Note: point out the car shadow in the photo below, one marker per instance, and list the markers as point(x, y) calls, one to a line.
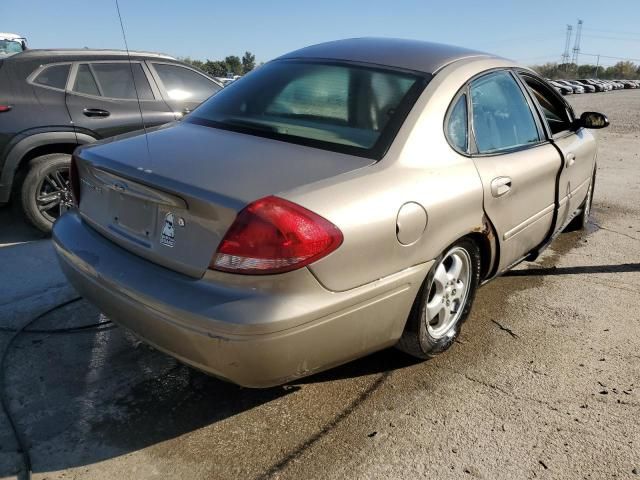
point(529, 272)
point(93, 396)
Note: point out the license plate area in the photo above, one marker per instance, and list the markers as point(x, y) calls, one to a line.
point(133, 215)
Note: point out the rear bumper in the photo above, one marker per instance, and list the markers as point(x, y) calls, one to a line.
point(254, 331)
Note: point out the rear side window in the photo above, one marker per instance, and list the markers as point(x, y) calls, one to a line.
point(184, 84)
point(502, 118)
point(457, 125)
point(54, 76)
point(113, 80)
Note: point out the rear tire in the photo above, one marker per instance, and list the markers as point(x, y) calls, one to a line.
point(45, 189)
point(581, 220)
point(443, 302)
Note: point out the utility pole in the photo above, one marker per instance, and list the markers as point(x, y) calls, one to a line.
point(567, 43)
point(597, 65)
point(576, 46)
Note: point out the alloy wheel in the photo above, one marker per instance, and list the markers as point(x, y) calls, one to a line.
point(54, 193)
point(448, 292)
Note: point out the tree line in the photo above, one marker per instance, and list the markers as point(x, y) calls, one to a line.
point(231, 65)
point(622, 70)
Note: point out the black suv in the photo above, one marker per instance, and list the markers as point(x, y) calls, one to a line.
point(51, 101)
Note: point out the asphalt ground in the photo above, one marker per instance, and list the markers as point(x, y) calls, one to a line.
point(544, 381)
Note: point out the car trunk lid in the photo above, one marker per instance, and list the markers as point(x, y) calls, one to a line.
point(171, 197)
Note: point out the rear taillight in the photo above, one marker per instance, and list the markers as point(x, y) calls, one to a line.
point(273, 235)
point(74, 181)
point(5, 108)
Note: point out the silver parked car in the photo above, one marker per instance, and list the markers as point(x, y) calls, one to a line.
point(341, 199)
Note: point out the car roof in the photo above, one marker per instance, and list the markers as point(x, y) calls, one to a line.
point(427, 57)
point(80, 53)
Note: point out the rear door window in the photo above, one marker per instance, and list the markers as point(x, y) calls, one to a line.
point(183, 83)
point(54, 76)
point(113, 80)
point(502, 118)
point(85, 82)
point(116, 80)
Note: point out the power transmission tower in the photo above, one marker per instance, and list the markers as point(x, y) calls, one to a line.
point(576, 46)
point(565, 55)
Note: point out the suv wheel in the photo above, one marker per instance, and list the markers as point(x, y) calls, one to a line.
point(45, 190)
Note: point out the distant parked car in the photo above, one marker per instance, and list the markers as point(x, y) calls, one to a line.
point(576, 88)
point(44, 93)
point(11, 43)
point(587, 88)
point(560, 88)
point(598, 87)
point(606, 85)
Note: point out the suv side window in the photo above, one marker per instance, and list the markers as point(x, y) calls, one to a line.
point(457, 125)
point(113, 80)
point(185, 84)
point(54, 76)
point(85, 83)
point(502, 118)
point(558, 117)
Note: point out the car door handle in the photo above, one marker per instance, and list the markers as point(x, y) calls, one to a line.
point(95, 112)
point(570, 159)
point(500, 186)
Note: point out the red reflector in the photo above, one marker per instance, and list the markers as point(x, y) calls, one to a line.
point(74, 181)
point(5, 108)
point(273, 235)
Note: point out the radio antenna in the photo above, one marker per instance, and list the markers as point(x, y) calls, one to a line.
point(133, 79)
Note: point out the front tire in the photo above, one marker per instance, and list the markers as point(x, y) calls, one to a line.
point(443, 302)
point(46, 190)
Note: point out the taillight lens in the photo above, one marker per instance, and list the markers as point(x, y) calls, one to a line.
point(74, 181)
point(273, 235)
point(5, 108)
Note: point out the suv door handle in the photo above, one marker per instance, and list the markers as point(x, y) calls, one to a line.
point(500, 186)
point(570, 159)
point(95, 112)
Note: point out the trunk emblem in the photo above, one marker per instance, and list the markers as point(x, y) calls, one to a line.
point(168, 235)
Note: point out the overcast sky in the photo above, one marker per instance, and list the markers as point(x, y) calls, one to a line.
point(527, 31)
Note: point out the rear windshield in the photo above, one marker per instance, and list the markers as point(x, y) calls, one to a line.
point(335, 106)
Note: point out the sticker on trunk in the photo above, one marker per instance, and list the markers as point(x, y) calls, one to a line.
point(168, 234)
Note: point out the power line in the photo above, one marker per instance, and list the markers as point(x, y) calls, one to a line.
point(613, 38)
point(609, 56)
point(612, 31)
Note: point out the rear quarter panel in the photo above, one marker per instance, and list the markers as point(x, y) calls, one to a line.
point(420, 167)
point(33, 107)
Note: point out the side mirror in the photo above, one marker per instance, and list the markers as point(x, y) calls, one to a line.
point(593, 120)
